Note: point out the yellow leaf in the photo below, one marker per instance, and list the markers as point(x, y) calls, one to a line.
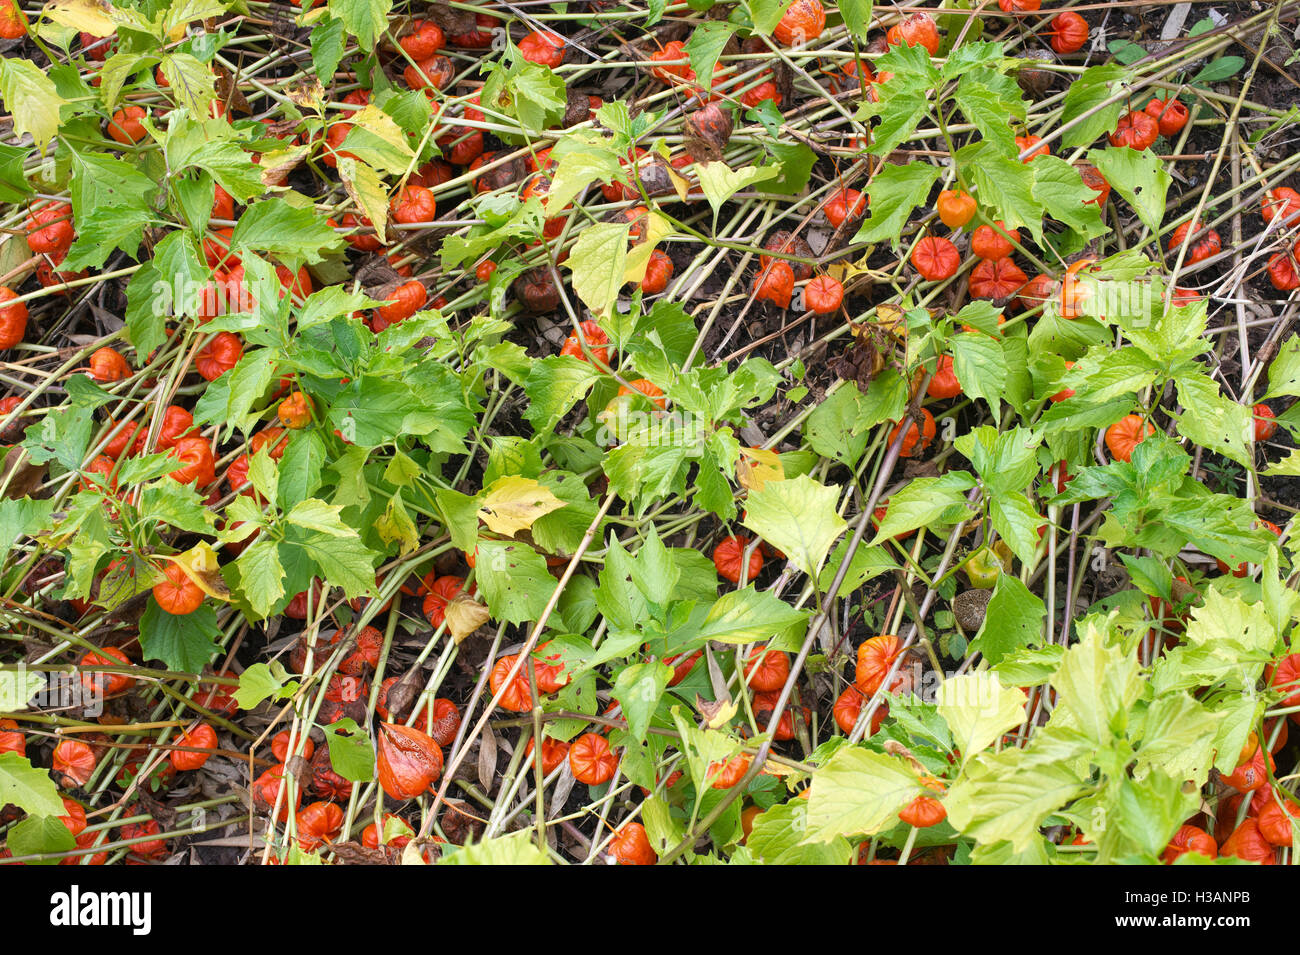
point(276, 165)
point(367, 191)
point(411, 854)
point(89, 16)
point(845, 271)
point(513, 503)
point(201, 565)
point(464, 616)
point(379, 124)
point(719, 715)
point(309, 97)
point(638, 257)
point(680, 183)
point(757, 466)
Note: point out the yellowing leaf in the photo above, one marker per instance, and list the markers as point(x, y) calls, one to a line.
point(978, 709)
point(757, 466)
point(720, 182)
point(638, 257)
point(512, 503)
point(191, 81)
point(597, 263)
point(378, 140)
point(465, 615)
point(309, 97)
point(278, 164)
point(859, 792)
point(31, 97)
point(89, 16)
point(797, 517)
point(367, 191)
point(201, 565)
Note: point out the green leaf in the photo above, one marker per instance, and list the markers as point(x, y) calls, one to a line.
point(555, 384)
point(17, 688)
point(894, 194)
point(295, 235)
point(1151, 809)
point(978, 709)
point(1006, 186)
point(179, 505)
point(396, 525)
point(1006, 796)
point(795, 162)
point(352, 755)
point(1178, 736)
point(765, 14)
point(1015, 519)
point(720, 182)
point(185, 643)
point(1139, 177)
point(1062, 193)
point(36, 835)
point(1084, 98)
point(1218, 70)
point(638, 690)
point(364, 19)
point(777, 838)
point(177, 258)
point(1284, 372)
point(597, 262)
point(1126, 51)
point(29, 95)
point(745, 616)
point(327, 45)
point(24, 517)
point(898, 121)
point(375, 138)
point(1013, 621)
point(13, 181)
point(316, 515)
point(857, 17)
point(110, 206)
point(926, 501)
point(989, 112)
point(1005, 460)
point(344, 561)
point(539, 97)
point(513, 579)
point(514, 849)
point(1212, 421)
point(859, 793)
point(261, 576)
point(260, 682)
point(1029, 667)
point(578, 168)
point(867, 563)
point(366, 187)
point(797, 517)
point(28, 787)
point(300, 467)
point(146, 323)
point(705, 46)
point(980, 365)
point(834, 430)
